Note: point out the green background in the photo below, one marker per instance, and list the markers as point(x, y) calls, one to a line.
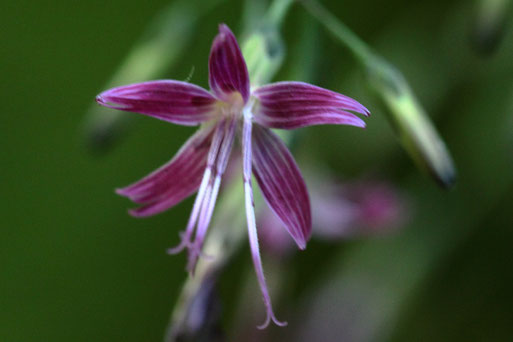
point(75, 266)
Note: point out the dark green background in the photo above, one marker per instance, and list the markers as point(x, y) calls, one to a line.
point(75, 266)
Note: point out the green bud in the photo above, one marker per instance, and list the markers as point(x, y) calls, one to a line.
point(411, 123)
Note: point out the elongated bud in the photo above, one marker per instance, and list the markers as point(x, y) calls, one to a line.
point(162, 43)
point(411, 123)
point(489, 25)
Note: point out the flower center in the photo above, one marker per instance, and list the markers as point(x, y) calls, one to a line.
point(231, 106)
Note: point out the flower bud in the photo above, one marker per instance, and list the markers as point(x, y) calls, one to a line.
point(411, 123)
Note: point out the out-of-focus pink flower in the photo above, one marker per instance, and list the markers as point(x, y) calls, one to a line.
point(231, 108)
point(379, 207)
point(356, 209)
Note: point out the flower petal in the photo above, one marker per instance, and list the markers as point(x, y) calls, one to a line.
point(252, 231)
point(282, 185)
point(173, 101)
point(173, 182)
point(227, 69)
point(290, 105)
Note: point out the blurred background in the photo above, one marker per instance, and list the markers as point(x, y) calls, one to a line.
point(411, 261)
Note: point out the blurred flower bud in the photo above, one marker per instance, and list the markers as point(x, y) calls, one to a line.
point(161, 45)
point(365, 208)
point(412, 125)
point(489, 25)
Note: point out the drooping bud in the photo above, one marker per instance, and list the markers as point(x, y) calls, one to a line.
point(411, 123)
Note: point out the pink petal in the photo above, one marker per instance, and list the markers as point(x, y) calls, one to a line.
point(227, 69)
point(174, 101)
point(282, 185)
point(252, 231)
point(290, 105)
point(174, 181)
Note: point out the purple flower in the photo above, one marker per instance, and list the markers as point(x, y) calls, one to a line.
point(230, 109)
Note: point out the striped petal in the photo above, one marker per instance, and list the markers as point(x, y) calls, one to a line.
point(173, 101)
point(290, 105)
point(282, 185)
point(173, 182)
point(228, 72)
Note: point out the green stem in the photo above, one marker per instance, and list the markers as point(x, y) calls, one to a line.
point(277, 12)
point(224, 240)
point(357, 47)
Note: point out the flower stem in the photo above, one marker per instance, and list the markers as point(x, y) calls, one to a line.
point(225, 238)
point(357, 47)
point(277, 12)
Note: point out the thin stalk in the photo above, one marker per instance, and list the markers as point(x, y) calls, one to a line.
point(277, 12)
point(357, 47)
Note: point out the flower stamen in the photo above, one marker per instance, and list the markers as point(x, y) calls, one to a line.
point(228, 128)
